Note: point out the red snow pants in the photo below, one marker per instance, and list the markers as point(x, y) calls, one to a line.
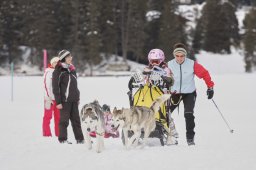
point(47, 119)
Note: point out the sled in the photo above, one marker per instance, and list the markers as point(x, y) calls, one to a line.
point(144, 96)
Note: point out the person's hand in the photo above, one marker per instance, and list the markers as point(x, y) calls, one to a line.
point(168, 80)
point(59, 106)
point(210, 93)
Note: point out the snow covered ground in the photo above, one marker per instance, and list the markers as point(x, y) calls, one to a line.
point(23, 147)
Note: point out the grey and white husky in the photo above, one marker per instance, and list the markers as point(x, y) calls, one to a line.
point(92, 119)
point(137, 118)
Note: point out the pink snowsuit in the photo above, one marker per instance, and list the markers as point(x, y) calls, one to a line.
point(107, 119)
point(49, 105)
point(109, 131)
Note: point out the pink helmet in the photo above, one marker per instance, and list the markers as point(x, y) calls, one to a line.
point(156, 54)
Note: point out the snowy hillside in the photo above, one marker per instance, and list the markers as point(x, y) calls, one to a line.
point(222, 64)
point(23, 147)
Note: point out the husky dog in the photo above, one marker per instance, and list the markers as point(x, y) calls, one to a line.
point(137, 118)
point(92, 119)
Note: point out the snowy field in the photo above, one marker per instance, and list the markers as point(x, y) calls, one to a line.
point(22, 146)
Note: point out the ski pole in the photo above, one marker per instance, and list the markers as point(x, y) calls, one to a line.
point(230, 130)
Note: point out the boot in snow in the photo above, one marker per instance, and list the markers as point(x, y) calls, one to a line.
point(190, 142)
point(65, 142)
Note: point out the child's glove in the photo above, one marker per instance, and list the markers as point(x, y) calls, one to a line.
point(159, 70)
point(47, 102)
point(155, 76)
point(210, 93)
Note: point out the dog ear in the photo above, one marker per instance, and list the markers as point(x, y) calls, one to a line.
point(114, 109)
point(96, 102)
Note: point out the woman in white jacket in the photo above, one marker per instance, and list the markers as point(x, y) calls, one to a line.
point(49, 101)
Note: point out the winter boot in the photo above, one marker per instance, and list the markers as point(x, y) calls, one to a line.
point(190, 142)
point(80, 141)
point(65, 142)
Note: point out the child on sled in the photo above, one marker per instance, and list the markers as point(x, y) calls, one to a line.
point(159, 75)
point(109, 131)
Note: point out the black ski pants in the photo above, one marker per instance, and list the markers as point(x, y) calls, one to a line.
point(189, 100)
point(70, 112)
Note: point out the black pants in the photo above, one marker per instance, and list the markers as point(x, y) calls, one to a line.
point(70, 111)
point(189, 100)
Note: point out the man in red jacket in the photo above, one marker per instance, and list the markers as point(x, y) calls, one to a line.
point(184, 89)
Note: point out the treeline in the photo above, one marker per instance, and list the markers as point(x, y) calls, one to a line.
point(129, 28)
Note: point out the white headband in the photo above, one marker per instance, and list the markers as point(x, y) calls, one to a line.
point(180, 50)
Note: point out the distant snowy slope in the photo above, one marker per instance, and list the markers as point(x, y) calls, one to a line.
point(222, 64)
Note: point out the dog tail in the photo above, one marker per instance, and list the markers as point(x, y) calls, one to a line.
point(159, 101)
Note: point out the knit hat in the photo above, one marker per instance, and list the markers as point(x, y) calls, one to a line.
point(62, 54)
point(105, 108)
point(54, 59)
point(180, 48)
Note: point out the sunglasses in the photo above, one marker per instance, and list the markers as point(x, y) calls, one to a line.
point(155, 62)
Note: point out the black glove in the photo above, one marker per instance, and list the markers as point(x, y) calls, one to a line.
point(167, 80)
point(210, 93)
point(130, 86)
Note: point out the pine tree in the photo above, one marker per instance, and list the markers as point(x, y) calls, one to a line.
point(250, 40)
point(198, 36)
point(86, 33)
point(220, 26)
point(108, 27)
point(171, 28)
point(11, 22)
point(93, 34)
point(49, 32)
point(63, 14)
point(152, 26)
point(136, 29)
point(228, 11)
point(213, 28)
point(124, 22)
point(79, 31)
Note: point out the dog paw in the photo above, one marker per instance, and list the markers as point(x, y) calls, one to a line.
point(98, 150)
point(89, 147)
point(127, 148)
point(142, 146)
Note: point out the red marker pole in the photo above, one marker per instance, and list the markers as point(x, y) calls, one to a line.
point(45, 58)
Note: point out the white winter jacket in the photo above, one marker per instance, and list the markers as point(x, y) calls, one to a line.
point(48, 94)
point(184, 74)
